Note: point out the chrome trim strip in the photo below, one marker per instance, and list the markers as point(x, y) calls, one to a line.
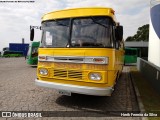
point(74, 59)
point(76, 89)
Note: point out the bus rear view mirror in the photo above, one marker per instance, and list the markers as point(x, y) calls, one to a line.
point(119, 33)
point(31, 34)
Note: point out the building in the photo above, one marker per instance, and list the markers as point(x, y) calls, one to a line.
point(143, 47)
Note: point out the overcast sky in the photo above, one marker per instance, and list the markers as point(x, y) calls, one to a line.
point(15, 18)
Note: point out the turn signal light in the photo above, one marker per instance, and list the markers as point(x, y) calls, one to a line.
point(99, 60)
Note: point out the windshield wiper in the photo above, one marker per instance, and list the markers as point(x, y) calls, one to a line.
point(98, 22)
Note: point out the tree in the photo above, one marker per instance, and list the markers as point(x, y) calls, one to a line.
point(141, 35)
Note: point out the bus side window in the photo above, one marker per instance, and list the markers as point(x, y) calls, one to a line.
point(121, 45)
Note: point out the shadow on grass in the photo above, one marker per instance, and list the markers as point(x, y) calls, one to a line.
point(148, 95)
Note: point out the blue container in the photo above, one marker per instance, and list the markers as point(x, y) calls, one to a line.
point(19, 47)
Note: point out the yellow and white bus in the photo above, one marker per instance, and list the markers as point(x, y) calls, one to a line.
point(81, 51)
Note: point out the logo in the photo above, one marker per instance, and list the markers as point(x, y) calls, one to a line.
point(17, 1)
point(6, 114)
point(155, 18)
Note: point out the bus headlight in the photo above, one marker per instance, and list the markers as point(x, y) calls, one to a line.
point(43, 71)
point(95, 76)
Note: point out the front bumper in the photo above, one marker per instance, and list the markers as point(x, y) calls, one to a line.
point(76, 89)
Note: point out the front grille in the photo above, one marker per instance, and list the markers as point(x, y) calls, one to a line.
point(67, 74)
point(60, 73)
point(74, 74)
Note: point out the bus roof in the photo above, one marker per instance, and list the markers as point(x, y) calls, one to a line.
point(80, 12)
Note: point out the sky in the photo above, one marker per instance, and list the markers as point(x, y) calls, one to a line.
point(16, 18)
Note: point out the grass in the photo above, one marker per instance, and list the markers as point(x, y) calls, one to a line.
point(149, 97)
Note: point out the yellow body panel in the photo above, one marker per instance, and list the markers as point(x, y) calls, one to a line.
point(80, 12)
point(109, 71)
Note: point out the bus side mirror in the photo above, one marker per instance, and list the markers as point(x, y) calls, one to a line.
point(119, 33)
point(31, 33)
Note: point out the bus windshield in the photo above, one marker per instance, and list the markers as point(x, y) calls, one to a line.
point(55, 33)
point(84, 32)
point(91, 32)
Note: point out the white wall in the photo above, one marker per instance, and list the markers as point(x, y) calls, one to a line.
point(154, 47)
